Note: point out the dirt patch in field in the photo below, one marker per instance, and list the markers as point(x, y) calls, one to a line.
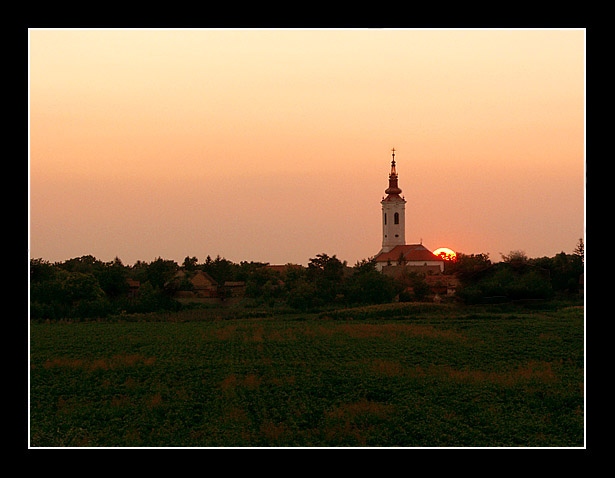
point(115, 362)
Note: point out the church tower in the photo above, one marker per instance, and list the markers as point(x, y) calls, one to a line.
point(393, 213)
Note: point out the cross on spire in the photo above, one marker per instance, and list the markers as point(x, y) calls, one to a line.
point(393, 187)
point(393, 172)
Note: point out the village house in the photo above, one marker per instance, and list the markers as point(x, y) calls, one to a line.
point(194, 285)
point(443, 285)
point(204, 285)
point(235, 288)
point(133, 288)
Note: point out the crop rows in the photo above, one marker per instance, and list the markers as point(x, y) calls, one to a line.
point(497, 380)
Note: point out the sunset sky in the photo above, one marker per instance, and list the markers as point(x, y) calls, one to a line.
point(274, 145)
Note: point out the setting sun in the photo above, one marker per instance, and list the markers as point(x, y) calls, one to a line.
point(445, 253)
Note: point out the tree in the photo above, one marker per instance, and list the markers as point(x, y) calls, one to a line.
point(261, 281)
point(467, 265)
point(220, 269)
point(507, 281)
point(420, 288)
point(86, 297)
point(160, 272)
point(326, 274)
point(40, 270)
point(368, 286)
point(138, 271)
point(80, 296)
point(152, 299)
point(579, 251)
point(304, 295)
point(323, 266)
point(46, 291)
point(112, 279)
point(565, 271)
point(84, 264)
point(190, 263)
point(515, 258)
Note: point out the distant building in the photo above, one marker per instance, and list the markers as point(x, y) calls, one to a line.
point(133, 288)
point(195, 285)
point(204, 285)
point(234, 288)
point(415, 256)
point(395, 252)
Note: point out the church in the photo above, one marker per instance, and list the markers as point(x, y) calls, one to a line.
point(395, 252)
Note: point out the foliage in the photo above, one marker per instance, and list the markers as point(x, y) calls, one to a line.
point(304, 296)
point(85, 287)
point(564, 270)
point(368, 286)
point(420, 288)
point(220, 269)
point(161, 271)
point(508, 281)
point(67, 294)
point(467, 265)
point(518, 277)
point(326, 274)
point(190, 263)
point(579, 250)
point(515, 257)
point(112, 279)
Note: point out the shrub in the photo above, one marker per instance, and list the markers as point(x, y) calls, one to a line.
point(507, 282)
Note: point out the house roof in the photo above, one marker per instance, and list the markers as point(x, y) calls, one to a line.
point(283, 268)
point(410, 252)
point(199, 279)
point(202, 279)
point(133, 283)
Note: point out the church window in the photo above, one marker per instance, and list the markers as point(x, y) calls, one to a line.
point(396, 218)
point(385, 218)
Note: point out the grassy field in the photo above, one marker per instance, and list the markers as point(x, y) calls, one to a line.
point(403, 375)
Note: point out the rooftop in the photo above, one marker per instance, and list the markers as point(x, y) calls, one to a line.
point(410, 252)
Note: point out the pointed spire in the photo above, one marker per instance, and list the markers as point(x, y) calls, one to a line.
point(393, 188)
point(393, 163)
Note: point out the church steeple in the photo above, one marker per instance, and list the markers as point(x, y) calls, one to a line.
point(393, 187)
point(393, 213)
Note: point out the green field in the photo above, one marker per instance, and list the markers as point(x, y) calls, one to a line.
point(403, 375)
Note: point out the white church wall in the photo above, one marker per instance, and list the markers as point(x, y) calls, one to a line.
point(393, 234)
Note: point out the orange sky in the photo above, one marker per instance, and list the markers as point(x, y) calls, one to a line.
point(274, 145)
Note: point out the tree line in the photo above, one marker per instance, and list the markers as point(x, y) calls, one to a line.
point(518, 277)
point(85, 287)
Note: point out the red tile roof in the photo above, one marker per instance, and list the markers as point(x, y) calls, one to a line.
point(411, 252)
